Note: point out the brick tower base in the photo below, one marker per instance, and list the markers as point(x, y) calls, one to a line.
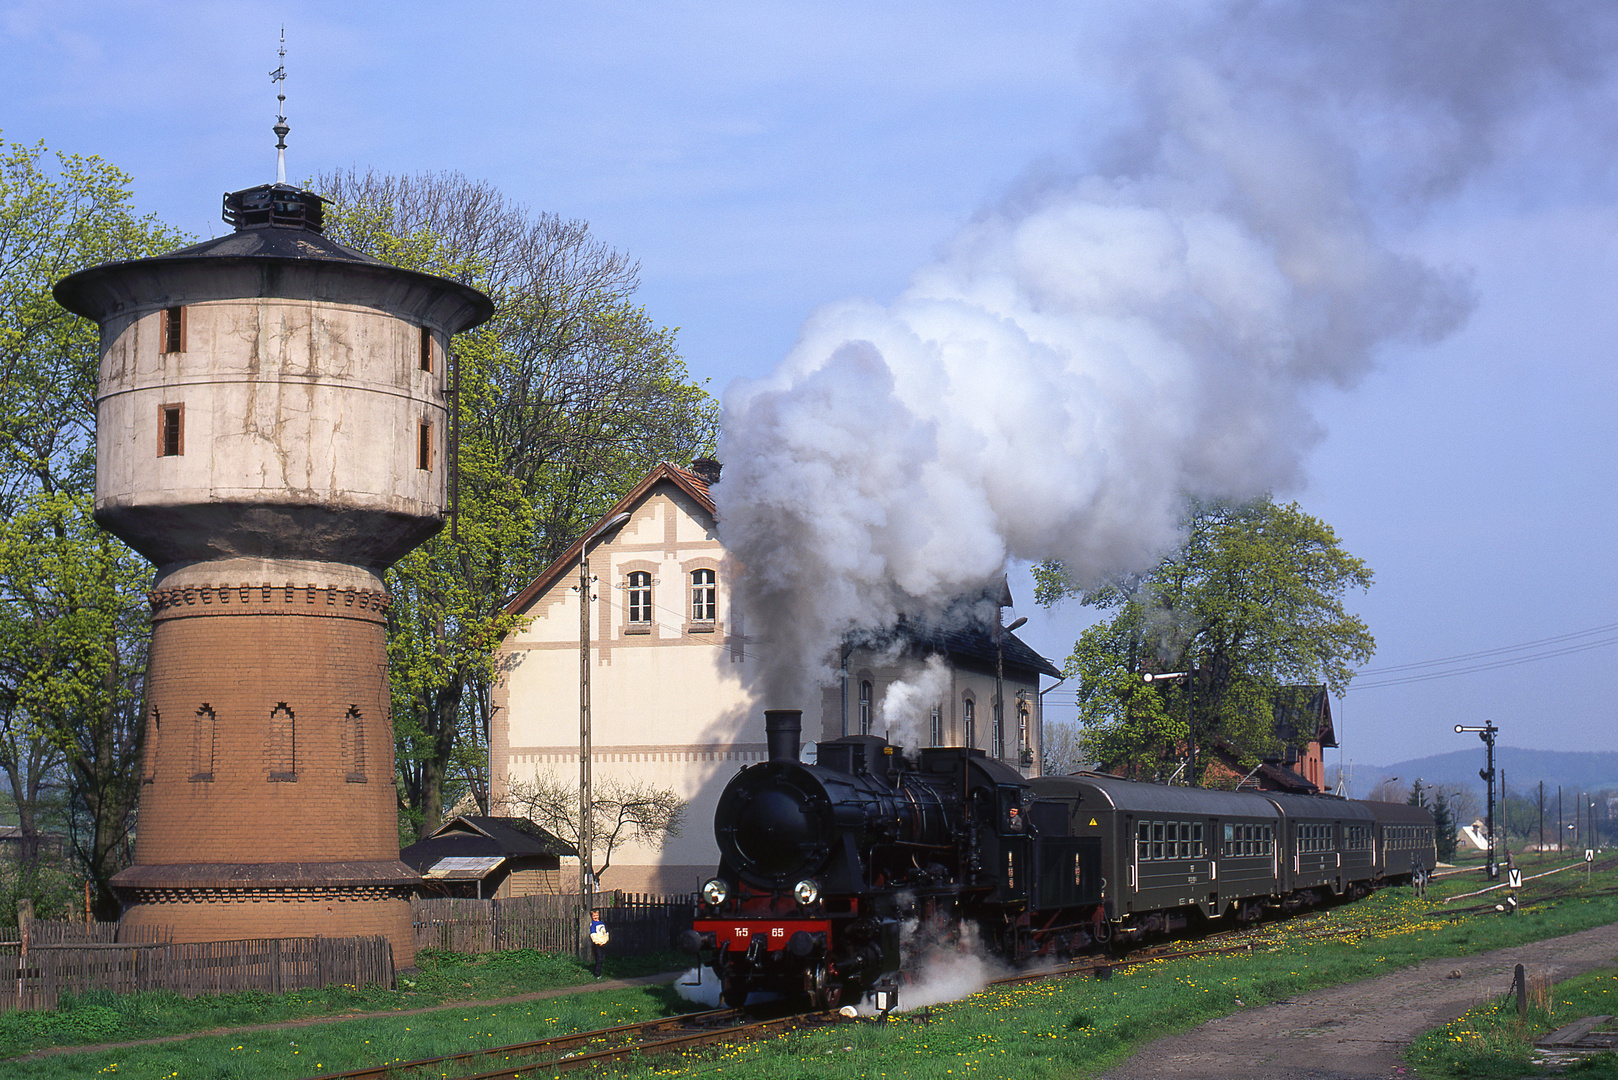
point(267, 804)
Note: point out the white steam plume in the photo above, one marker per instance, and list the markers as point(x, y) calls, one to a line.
point(1100, 346)
point(907, 706)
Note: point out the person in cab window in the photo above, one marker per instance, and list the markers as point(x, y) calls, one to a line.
point(1014, 820)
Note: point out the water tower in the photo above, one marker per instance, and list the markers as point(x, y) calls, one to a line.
point(270, 432)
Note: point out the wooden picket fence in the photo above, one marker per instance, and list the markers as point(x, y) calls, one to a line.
point(37, 978)
point(638, 923)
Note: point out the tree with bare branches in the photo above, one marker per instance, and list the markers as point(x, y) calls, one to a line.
point(565, 398)
point(623, 811)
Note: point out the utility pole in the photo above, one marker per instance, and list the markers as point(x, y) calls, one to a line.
point(586, 803)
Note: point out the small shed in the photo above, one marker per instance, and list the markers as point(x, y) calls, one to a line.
point(487, 857)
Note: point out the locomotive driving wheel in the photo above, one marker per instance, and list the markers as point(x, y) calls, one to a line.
point(814, 985)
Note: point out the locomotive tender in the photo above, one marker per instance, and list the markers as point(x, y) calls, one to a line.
point(833, 876)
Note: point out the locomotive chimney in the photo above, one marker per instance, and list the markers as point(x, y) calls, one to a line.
point(781, 729)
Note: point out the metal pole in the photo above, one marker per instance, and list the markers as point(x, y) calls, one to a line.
point(1488, 738)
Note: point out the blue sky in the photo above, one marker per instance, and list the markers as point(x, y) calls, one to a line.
point(762, 160)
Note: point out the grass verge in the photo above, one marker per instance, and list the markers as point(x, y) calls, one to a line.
point(1493, 1041)
point(1043, 1030)
point(443, 978)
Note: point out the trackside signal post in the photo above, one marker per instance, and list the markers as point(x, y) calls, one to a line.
point(1487, 733)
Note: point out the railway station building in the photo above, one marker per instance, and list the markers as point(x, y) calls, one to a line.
point(672, 675)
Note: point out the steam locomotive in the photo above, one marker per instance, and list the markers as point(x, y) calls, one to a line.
point(834, 877)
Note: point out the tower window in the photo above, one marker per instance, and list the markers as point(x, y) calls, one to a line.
point(970, 709)
point(640, 597)
point(426, 349)
point(283, 744)
point(171, 427)
point(149, 754)
point(424, 447)
point(354, 744)
point(865, 707)
point(937, 728)
point(703, 606)
point(202, 745)
point(173, 330)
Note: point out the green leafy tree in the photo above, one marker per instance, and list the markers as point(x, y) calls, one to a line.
point(1250, 603)
point(566, 398)
point(1444, 826)
point(72, 625)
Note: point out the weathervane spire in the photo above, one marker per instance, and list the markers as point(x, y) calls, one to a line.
point(279, 78)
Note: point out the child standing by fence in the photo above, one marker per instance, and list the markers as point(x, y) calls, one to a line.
point(598, 940)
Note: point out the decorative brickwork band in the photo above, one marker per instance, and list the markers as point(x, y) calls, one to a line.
point(308, 599)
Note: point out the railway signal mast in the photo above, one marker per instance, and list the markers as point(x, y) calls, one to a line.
point(1487, 733)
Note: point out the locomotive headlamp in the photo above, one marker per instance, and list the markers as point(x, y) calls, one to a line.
point(715, 892)
point(806, 892)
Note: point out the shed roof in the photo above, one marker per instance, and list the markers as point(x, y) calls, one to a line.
point(473, 836)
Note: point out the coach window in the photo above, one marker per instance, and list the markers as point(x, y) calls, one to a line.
point(1157, 839)
point(1144, 850)
point(1196, 840)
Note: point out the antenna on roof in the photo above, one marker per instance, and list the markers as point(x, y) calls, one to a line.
point(279, 78)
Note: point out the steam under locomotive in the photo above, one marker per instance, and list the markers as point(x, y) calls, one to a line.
point(833, 876)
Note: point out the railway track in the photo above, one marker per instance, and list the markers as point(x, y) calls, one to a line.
point(545, 1057)
point(582, 1049)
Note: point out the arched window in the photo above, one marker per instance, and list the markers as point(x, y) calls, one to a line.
point(703, 606)
point(1025, 745)
point(354, 744)
point(202, 744)
point(283, 744)
point(640, 597)
point(865, 707)
point(997, 731)
point(149, 752)
point(969, 710)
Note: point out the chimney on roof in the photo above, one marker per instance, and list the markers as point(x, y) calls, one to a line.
point(707, 468)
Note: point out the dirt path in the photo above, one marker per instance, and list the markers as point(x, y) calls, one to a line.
point(344, 1018)
point(1358, 1031)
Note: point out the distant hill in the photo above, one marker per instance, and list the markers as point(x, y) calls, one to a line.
point(1576, 770)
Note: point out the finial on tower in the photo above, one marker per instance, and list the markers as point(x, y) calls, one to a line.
point(279, 77)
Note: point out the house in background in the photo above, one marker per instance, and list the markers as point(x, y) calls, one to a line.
point(487, 858)
point(673, 677)
point(1303, 725)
